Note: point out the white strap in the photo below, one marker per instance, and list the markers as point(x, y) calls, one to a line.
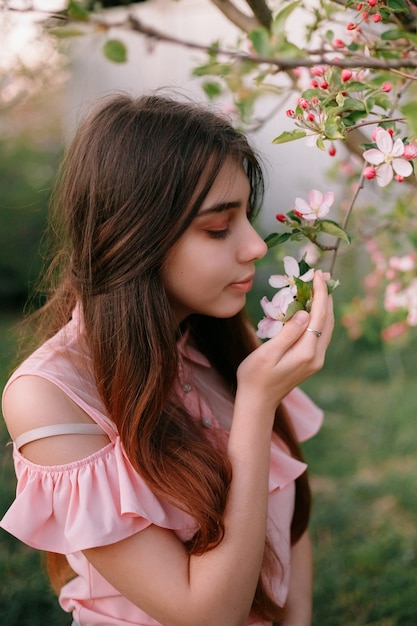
point(57, 429)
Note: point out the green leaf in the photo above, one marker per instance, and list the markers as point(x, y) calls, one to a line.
point(289, 136)
point(212, 89)
point(77, 12)
point(280, 21)
point(289, 50)
point(304, 292)
point(212, 69)
point(410, 112)
point(320, 143)
point(334, 129)
point(292, 308)
point(382, 100)
point(63, 32)
point(353, 104)
point(260, 41)
point(275, 239)
point(332, 285)
point(397, 6)
point(332, 228)
point(115, 51)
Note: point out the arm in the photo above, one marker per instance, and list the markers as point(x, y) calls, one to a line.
point(299, 601)
point(152, 568)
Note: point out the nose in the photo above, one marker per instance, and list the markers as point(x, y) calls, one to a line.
point(253, 247)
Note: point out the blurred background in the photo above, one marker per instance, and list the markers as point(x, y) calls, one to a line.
point(363, 464)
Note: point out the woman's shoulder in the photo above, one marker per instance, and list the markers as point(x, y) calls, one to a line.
point(52, 387)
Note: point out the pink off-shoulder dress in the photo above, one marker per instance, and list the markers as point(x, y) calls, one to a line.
point(101, 499)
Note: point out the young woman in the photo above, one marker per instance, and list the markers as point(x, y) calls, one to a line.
point(155, 442)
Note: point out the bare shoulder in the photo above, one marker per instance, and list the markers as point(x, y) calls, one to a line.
point(32, 402)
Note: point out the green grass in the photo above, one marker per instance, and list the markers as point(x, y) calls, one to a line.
point(363, 468)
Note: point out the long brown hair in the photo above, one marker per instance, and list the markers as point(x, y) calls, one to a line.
point(132, 181)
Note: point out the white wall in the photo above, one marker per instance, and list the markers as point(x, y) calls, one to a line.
point(292, 169)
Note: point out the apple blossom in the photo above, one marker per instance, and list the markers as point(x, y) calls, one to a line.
point(275, 313)
point(292, 271)
point(387, 158)
point(317, 207)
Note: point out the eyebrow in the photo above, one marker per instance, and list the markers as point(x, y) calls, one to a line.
point(220, 208)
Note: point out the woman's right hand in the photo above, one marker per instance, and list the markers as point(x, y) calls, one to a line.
point(269, 373)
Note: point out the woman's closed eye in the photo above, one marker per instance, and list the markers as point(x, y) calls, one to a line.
point(219, 233)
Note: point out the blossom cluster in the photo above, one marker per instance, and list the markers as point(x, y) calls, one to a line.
point(295, 286)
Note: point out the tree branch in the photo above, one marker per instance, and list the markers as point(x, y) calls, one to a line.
point(261, 11)
point(234, 15)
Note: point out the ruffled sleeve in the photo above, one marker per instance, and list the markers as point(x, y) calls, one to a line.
point(306, 417)
point(93, 502)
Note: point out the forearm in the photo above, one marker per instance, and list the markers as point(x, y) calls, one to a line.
point(299, 602)
point(239, 556)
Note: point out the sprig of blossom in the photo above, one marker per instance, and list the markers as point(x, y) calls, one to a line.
point(295, 293)
point(387, 159)
point(295, 284)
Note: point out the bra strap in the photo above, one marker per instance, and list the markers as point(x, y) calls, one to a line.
point(57, 429)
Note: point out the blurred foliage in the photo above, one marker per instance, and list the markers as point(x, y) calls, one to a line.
point(28, 161)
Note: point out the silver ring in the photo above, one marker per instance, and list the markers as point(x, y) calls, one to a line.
point(316, 332)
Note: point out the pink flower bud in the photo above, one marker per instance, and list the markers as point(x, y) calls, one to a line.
point(314, 100)
point(377, 18)
point(375, 132)
point(338, 43)
point(372, 3)
point(303, 103)
point(369, 172)
point(310, 117)
point(297, 213)
point(346, 75)
point(324, 85)
point(281, 217)
point(410, 151)
point(332, 151)
point(359, 6)
point(289, 113)
point(399, 179)
point(314, 84)
point(351, 26)
point(318, 70)
point(386, 87)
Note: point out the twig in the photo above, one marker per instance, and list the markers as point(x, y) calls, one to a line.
point(346, 220)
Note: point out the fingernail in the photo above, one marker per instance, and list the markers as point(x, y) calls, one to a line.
point(301, 317)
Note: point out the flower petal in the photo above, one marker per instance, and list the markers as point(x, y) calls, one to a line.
point(281, 301)
point(302, 207)
point(374, 156)
point(384, 175)
point(308, 276)
point(291, 266)
point(278, 280)
point(384, 141)
point(268, 328)
point(268, 308)
point(398, 148)
point(315, 198)
point(402, 167)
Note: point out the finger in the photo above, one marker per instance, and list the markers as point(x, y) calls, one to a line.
point(290, 333)
point(322, 304)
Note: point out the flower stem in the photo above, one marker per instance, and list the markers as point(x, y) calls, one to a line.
point(346, 220)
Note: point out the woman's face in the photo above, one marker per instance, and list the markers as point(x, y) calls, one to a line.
point(210, 269)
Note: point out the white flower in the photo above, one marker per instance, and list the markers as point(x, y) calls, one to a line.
point(292, 270)
point(318, 205)
point(388, 158)
point(275, 312)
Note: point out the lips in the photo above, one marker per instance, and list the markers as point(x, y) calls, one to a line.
point(244, 285)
